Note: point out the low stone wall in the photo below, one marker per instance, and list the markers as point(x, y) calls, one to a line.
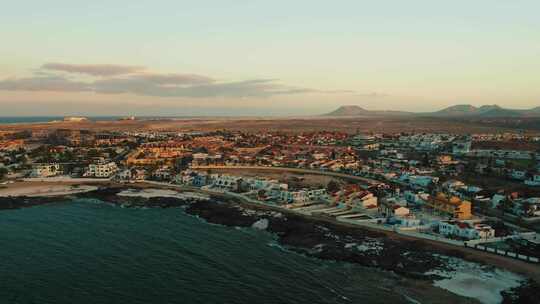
point(431, 237)
point(504, 253)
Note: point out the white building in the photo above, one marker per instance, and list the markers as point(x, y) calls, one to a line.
point(534, 181)
point(102, 170)
point(163, 173)
point(466, 230)
point(300, 196)
point(75, 119)
point(226, 182)
point(124, 174)
point(461, 147)
point(46, 170)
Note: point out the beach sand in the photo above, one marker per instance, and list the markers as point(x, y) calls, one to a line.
point(35, 189)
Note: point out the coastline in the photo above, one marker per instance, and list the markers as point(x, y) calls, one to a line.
point(319, 237)
point(45, 189)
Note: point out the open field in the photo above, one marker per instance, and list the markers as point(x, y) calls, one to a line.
point(293, 179)
point(309, 177)
point(283, 124)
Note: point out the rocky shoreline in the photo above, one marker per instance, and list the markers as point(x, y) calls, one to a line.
point(320, 238)
point(314, 237)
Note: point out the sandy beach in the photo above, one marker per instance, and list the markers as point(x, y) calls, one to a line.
point(40, 189)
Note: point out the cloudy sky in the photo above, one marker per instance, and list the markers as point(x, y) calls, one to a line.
point(255, 57)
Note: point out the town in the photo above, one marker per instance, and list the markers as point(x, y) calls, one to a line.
point(475, 190)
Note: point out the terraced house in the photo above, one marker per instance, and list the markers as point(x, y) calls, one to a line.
point(453, 206)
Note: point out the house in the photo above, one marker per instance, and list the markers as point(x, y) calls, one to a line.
point(226, 182)
point(422, 181)
point(124, 174)
point(317, 194)
point(518, 174)
point(526, 207)
point(496, 200)
point(200, 180)
point(300, 196)
point(138, 174)
point(453, 206)
point(46, 170)
point(408, 220)
point(534, 181)
point(400, 211)
point(461, 147)
point(101, 170)
point(466, 230)
point(453, 184)
point(264, 184)
point(415, 198)
point(445, 159)
point(363, 200)
point(163, 173)
point(319, 156)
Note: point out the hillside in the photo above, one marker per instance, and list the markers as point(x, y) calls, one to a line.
point(466, 110)
point(456, 111)
point(351, 111)
point(348, 111)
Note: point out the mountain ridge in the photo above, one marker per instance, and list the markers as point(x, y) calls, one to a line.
point(456, 111)
point(353, 110)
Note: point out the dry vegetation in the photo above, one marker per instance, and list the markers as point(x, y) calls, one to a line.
point(292, 124)
point(295, 180)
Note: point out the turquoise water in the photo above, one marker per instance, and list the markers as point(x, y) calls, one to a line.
point(92, 252)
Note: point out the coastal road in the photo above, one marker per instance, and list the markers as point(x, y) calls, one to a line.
point(363, 180)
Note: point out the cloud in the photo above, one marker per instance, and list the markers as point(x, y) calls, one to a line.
point(175, 79)
point(149, 87)
point(372, 94)
point(43, 83)
point(118, 79)
point(93, 69)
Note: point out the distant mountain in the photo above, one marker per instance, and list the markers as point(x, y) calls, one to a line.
point(483, 111)
point(500, 112)
point(457, 111)
point(535, 110)
point(350, 110)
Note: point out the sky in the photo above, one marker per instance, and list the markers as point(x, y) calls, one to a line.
point(253, 57)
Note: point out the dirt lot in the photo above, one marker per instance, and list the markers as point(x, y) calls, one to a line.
point(293, 179)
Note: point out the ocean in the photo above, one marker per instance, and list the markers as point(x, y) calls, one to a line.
point(38, 119)
point(86, 251)
point(41, 119)
point(28, 119)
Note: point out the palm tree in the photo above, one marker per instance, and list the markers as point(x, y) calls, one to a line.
point(504, 205)
point(526, 208)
